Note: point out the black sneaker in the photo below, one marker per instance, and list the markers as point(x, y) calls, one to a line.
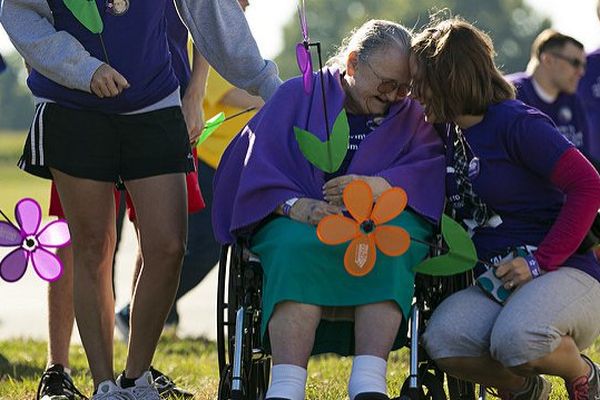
point(56, 384)
point(167, 388)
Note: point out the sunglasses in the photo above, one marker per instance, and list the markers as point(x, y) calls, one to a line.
point(389, 85)
point(573, 62)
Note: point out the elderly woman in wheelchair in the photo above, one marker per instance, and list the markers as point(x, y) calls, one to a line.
point(266, 189)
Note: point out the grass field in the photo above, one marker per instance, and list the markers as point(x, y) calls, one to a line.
point(194, 364)
point(14, 183)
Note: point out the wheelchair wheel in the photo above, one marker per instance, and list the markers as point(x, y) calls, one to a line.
point(243, 365)
point(460, 390)
point(432, 388)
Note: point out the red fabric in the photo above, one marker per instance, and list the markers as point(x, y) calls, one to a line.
point(195, 199)
point(578, 180)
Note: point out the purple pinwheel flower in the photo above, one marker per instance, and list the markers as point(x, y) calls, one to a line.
point(32, 243)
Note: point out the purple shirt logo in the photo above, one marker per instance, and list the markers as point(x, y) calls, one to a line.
point(117, 7)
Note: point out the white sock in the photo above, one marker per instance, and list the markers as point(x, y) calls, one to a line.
point(287, 382)
point(368, 375)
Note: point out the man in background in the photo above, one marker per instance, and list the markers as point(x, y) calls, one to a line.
point(550, 83)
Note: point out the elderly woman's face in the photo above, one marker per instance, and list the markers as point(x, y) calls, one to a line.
point(378, 82)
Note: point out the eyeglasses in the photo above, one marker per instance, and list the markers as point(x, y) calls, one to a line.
point(389, 85)
point(573, 61)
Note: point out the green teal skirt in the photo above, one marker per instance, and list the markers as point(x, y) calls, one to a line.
point(298, 267)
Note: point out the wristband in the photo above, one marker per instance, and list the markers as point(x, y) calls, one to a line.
point(287, 206)
point(533, 265)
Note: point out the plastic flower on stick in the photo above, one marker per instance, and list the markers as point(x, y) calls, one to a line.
point(32, 243)
point(365, 230)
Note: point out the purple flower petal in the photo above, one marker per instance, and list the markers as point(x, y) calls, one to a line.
point(13, 265)
point(29, 215)
point(55, 234)
point(46, 264)
point(9, 235)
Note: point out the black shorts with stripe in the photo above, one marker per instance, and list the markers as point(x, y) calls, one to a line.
point(106, 147)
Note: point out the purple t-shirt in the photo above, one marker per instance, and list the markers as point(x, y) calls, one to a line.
point(518, 147)
point(589, 92)
point(177, 37)
point(136, 44)
point(566, 111)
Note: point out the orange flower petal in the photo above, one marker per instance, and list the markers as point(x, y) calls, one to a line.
point(392, 240)
point(389, 205)
point(337, 229)
point(360, 255)
point(358, 199)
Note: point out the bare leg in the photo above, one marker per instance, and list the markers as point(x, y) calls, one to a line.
point(376, 328)
point(292, 332)
point(90, 209)
point(565, 362)
point(482, 370)
point(161, 207)
point(60, 311)
point(139, 260)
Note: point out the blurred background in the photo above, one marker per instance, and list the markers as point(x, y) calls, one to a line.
point(512, 24)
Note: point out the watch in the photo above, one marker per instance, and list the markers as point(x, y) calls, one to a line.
point(287, 206)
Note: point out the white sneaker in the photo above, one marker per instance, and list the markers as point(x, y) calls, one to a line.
point(144, 388)
point(107, 390)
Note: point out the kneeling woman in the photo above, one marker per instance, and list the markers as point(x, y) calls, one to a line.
point(265, 188)
point(521, 186)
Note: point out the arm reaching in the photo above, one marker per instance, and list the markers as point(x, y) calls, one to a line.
point(221, 33)
point(56, 55)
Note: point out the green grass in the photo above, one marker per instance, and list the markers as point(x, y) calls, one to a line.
point(14, 183)
point(193, 363)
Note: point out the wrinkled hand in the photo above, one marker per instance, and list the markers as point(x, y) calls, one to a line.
point(514, 273)
point(334, 189)
point(191, 107)
point(107, 82)
point(311, 211)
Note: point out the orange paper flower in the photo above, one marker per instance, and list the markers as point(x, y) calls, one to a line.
point(366, 232)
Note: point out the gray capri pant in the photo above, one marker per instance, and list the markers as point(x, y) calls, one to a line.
point(565, 302)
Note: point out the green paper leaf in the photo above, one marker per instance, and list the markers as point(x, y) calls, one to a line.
point(210, 126)
point(461, 254)
point(87, 13)
point(328, 155)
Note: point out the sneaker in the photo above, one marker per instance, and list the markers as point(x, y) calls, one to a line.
point(371, 396)
point(122, 322)
point(584, 387)
point(56, 384)
point(108, 390)
point(167, 388)
point(143, 389)
point(537, 389)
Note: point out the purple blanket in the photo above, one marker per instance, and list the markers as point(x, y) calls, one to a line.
point(263, 166)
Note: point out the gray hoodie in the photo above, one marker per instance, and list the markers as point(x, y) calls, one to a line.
point(218, 27)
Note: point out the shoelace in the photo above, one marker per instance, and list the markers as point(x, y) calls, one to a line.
point(579, 389)
point(146, 392)
point(55, 383)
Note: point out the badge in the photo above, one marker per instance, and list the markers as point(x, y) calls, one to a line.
point(473, 167)
point(117, 7)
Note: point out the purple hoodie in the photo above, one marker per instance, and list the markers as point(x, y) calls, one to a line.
point(263, 166)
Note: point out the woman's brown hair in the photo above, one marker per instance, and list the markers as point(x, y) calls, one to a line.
point(456, 70)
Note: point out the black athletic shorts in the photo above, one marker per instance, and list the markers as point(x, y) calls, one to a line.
point(106, 147)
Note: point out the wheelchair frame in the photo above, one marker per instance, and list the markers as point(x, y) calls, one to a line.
point(244, 365)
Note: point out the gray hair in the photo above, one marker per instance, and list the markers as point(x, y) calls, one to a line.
point(373, 35)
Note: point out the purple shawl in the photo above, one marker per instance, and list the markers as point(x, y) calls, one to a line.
point(263, 166)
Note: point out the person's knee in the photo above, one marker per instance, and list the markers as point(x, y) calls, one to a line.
point(94, 247)
point(512, 345)
point(171, 250)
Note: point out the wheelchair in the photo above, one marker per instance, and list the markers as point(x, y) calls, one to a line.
point(244, 365)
